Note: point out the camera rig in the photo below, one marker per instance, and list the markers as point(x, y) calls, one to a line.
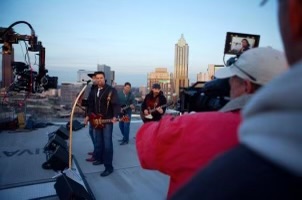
point(213, 95)
point(24, 77)
point(205, 96)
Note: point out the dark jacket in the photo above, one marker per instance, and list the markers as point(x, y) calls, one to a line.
point(98, 105)
point(151, 102)
point(84, 97)
point(242, 174)
point(126, 100)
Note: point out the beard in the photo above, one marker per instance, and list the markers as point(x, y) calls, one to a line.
point(101, 84)
point(155, 94)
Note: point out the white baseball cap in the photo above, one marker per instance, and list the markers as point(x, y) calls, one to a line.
point(258, 65)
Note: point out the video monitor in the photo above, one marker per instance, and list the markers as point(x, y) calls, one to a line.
point(236, 43)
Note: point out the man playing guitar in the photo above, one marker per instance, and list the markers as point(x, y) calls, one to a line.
point(127, 100)
point(103, 101)
point(154, 101)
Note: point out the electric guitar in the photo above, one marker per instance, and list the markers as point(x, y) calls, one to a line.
point(125, 107)
point(98, 122)
point(149, 116)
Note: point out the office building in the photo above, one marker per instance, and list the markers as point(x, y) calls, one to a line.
point(162, 77)
point(181, 63)
point(110, 75)
point(82, 75)
point(210, 74)
point(69, 93)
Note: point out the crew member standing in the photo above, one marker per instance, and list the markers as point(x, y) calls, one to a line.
point(103, 101)
point(154, 105)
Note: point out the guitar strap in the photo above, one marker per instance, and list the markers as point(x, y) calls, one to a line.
point(108, 100)
point(156, 101)
point(127, 100)
point(128, 97)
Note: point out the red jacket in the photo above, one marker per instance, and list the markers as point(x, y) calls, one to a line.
point(181, 146)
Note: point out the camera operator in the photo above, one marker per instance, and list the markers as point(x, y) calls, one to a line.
point(180, 146)
point(267, 163)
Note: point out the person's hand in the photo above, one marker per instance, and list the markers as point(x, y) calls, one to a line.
point(186, 113)
point(86, 120)
point(114, 119)
point(132, 106)
point(160, 110)
point(146, 112)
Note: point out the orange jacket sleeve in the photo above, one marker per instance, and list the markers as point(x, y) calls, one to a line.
point(180, 146)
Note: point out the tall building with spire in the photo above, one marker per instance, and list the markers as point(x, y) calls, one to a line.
point(181, 63)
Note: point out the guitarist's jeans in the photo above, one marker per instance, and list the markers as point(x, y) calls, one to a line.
point(125, 127)
point(103, 145)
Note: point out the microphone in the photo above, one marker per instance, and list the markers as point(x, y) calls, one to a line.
point(87, 82)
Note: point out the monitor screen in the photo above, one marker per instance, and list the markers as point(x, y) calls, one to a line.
point(236, 43)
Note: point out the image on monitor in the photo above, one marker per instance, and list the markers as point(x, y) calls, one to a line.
point(236, 43)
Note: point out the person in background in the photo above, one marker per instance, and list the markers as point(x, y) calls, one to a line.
point(181, 146)
point(267, 163)
point(126, 99)
point(238, 50)
point(154, 105)
point(91, 88)
point(103, 105)
point(245, 46)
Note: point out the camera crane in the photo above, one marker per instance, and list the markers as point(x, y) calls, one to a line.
point(25, 77)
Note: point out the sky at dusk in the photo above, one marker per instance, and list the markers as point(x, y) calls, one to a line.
point(136, 36)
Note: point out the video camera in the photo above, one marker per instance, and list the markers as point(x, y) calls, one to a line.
point(26, 79)
point(213, 95)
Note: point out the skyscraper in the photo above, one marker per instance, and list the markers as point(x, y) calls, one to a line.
point(83, 75)
point(181, 64)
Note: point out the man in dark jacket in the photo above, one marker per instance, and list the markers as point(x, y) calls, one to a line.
point(154, 105)
point(103, 110)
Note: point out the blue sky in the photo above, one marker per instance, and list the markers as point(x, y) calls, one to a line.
point(136, 36)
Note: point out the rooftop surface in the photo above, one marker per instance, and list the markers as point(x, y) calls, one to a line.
point(22, 177)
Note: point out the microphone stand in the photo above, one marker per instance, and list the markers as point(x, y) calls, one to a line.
point(70, 123)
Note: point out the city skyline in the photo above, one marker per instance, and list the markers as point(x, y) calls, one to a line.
point(135, 37)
